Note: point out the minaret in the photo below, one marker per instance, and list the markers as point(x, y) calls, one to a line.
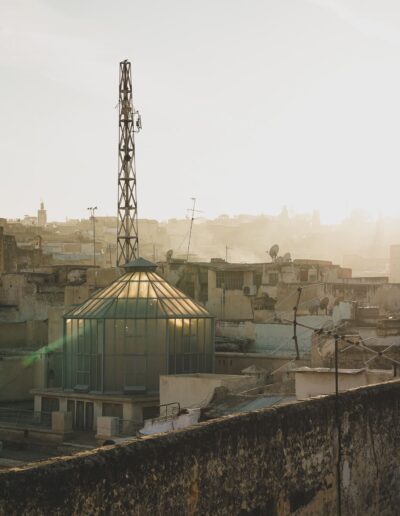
point(42, 215)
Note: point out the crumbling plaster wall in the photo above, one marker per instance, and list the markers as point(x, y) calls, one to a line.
point(274, 461)
point(75, 295)
point(227, 304)
point(102, 277)
point(28, 334)
point(387, 297)
point(15, 289)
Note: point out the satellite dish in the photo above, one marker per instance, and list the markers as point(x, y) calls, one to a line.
point(169, 254)
point(287, 257)
point(273, 252)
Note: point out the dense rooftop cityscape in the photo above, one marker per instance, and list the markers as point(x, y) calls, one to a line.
point(244, 356)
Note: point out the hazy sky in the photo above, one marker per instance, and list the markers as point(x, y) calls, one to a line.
point(246, 104)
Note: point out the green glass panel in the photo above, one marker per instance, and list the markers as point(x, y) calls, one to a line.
point(152, 308)
point(112, 290)
point(173, 292)
point(167, 308)
point(133, 289)
point(177, 308)
point(151, 292)
point(143, 289)
point(124, 292)
point(120, 308)
point(141, 309)
point(109, 337)
point(160, 290)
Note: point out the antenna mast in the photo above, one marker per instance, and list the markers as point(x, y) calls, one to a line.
point(193, 211)
point(129, 123)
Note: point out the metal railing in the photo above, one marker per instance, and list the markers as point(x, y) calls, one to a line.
point(24, 417)
point(168, 411)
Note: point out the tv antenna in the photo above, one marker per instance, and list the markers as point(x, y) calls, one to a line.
point(129, 124)
point(192, 218)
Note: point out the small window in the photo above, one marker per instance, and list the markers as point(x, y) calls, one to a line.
point(112, 410)
point(230, 280)
point(203, 292)
point(151, 412)
point(71, 408)
point(50, 405)
point(303, 275)
point(257, 278)
point(273, 278)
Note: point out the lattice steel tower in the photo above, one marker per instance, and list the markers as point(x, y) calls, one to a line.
point(129, 123)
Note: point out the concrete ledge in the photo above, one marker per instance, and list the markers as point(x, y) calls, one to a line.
point(34, 434)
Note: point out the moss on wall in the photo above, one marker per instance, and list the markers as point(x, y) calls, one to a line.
point(273, 462)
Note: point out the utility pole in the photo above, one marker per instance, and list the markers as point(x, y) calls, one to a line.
point(226, 253)
point(129, 124)
point(38, 246)
point(295, 309)
point(339, 431)
point(192, 218)
point(92, 210)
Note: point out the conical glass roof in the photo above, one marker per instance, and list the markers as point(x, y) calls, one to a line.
point(138, 294)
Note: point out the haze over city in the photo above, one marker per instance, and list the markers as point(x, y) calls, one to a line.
point(248, 107)
point(199, 257)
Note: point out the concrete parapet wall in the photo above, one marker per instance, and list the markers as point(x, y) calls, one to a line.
point(273, 462)
point(16, 379)
point(197, 389)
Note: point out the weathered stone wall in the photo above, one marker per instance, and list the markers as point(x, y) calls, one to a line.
point(16, 379)
point(19, 291)
point(27, 334)
point(273, 462)
point(13, 335)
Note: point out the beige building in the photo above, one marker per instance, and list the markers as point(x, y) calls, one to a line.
point(196, 390)
point(254, 292)
point(310, 382)
point(394, 264)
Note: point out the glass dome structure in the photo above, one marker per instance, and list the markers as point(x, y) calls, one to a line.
point(124, 336)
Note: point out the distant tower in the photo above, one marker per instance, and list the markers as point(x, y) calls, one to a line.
point(129, 123)
point(42, 215)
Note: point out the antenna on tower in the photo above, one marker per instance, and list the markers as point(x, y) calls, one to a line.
point(129, 123)
point(193, 211)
